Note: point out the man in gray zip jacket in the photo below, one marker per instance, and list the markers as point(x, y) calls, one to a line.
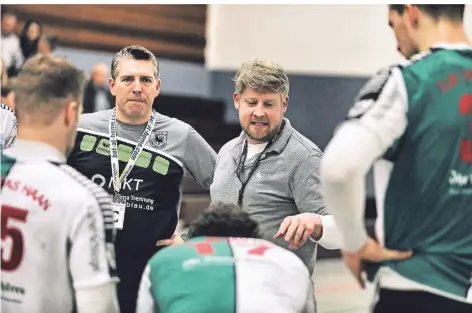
point(271, 170)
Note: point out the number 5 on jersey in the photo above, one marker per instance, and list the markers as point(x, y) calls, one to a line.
point(13, 245)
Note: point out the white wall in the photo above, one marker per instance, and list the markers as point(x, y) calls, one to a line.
point(336, 40)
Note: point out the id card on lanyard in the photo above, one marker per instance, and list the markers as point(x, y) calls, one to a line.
point(119, 202)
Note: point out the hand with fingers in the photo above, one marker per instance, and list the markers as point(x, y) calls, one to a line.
point(296, 229)
point(174, 240)
point(371, 251)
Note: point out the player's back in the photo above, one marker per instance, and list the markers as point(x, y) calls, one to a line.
point(227, 275)
point(49, 217)
point(427, 204)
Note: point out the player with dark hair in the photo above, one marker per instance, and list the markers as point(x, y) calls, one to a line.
point(412, 124)
point(225, 268)
point(224, 220)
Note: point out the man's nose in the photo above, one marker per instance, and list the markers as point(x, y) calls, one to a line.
point(259, 111)
point(137, 87)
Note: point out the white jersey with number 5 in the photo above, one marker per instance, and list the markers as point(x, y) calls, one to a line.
point(57, 235)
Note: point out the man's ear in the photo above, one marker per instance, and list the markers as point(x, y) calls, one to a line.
point(111, 86)
point(72, 113)
point(158, 87)
point(236, 99)
point(285, 104)
point(413, 14)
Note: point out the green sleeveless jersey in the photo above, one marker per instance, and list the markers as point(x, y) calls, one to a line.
point(424, 180)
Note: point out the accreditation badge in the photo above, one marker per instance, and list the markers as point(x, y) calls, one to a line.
point(119, 208)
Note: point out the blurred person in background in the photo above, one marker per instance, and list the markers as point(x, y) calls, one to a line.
point(412, 124)
point(58, 224)
point(3, 73)
point(140, 157)
point(215, 273)
point(47, 44)
point(10, 47)
point(97, 96)
point(29, 38)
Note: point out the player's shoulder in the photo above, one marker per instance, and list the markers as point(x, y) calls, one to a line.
point(267, 251)
point(271, 246)
point(372, 89)
point(428, 60)
point(7, 112)
point(168, 256)
point(428, 67)
point(386, 83)
point(97, 121)
point(5, 107)
point(58, 180)
point(404, 77)
point(81, 187)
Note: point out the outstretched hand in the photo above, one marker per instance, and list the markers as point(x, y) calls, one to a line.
point(298, 228)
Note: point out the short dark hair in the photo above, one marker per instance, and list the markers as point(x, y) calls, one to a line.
point(44, 86)
point(224, 220)
point(6, 89)
point(136, 53)
point(453, 12)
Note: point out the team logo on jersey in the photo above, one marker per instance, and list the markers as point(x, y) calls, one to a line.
point(158, 139)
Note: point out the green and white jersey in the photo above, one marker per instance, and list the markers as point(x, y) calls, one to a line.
point(423, 182)
point(225, 275)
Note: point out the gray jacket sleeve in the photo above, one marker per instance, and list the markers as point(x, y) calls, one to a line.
point(305, 186)
point(200, 159)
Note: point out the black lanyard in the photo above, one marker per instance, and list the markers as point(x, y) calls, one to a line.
point(242, 161)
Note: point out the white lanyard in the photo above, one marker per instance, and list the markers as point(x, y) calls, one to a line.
point(115, 168)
